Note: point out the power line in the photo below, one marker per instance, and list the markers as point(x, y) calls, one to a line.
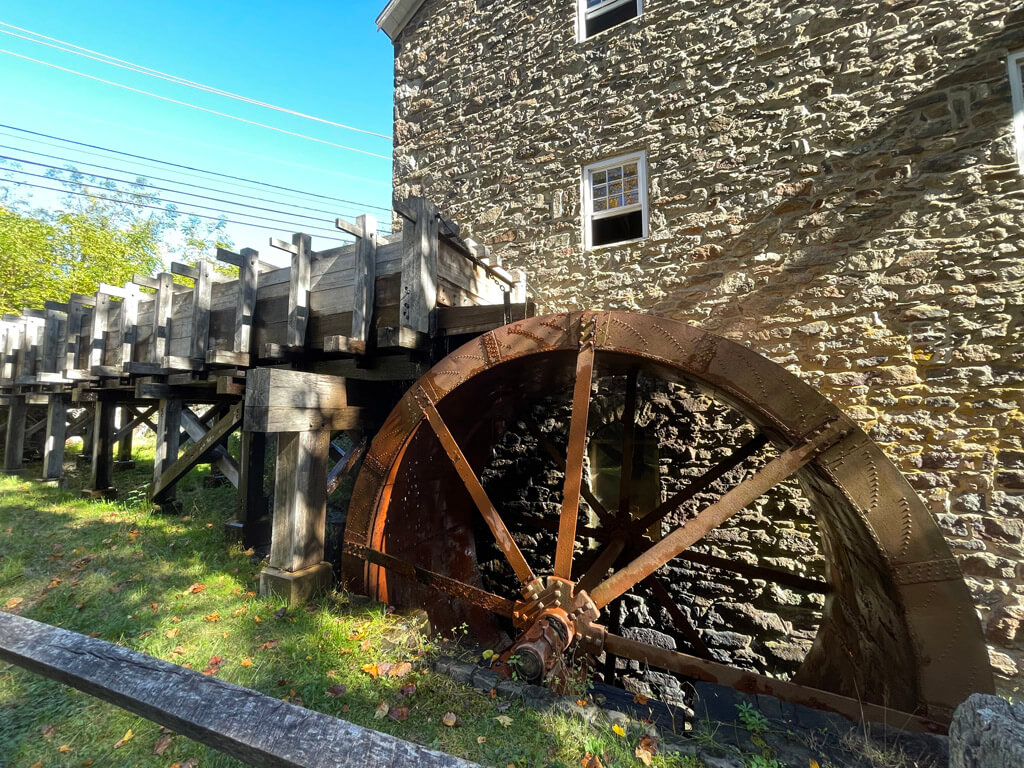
point(164, 189)
point(194, 106)
point(150, 72)
point(164, 200)
point(192, 168)
point(163, 210)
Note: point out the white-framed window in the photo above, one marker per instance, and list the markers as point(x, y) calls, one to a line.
point(615, 200)
point(1015, 62)
point(598, 15)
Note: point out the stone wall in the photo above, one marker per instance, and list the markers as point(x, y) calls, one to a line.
point(832, 183)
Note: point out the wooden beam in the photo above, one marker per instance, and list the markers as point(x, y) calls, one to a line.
point(253, 515)
point(418, 288)
point(202, 292)
point(249, 726)
point(184, 270)
point(365, 280)
point(341, 470)
point(162, 310)
point(248, 271)
point(195, 453)
point(168, 438)
point(101, 482)
point(196, 430)
point(278, 400)
point(298, 291)
point(129, 321)
point(14, 443)
point(300, 500)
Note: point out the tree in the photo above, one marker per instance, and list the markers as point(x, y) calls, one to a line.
point(101, 233)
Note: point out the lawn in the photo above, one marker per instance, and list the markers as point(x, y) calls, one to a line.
point(171, 587)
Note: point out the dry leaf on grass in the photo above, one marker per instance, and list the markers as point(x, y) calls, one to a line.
point(640, 699)
point(591, 761)
point(162, 744)
point(481, 739)
point(281, 613)
point(371, 669)
point(268, 646)
point(128, 736)
point(13, 603)
point(381, 711)
point(399, 713)
point(449, 719)
point(504, 721)
point(196, 588)
point(63, 749)
point(336, 690)
point(48, 731)
point(246, 662)
point(365, 645)
point(401, 669)
point(212, 616)
point(408, 689)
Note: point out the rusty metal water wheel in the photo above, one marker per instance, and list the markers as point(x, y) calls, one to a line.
point(898, 642)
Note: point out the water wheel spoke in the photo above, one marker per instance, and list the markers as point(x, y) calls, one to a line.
point(783, 578)
point(599, 568)
point(711, 517)
point(574, 461)
point(498, 528)
point(606, 517)
point(679, 618)
point(702, 483)
point(479, 597)
point(752, 682)
point(628, 439)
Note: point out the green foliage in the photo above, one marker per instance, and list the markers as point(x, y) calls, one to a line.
point(106, 235)
point(752, 719)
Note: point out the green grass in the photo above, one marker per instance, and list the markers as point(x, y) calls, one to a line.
point(118, 572)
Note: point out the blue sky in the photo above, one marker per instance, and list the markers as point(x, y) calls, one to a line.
point(323, 58)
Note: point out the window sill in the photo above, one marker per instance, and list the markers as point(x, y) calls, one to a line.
point(615, 244)
point(597, 35)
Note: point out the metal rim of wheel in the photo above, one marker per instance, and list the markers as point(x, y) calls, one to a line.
point(899, 640)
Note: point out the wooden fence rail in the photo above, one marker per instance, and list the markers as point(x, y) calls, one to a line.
point(256, 729)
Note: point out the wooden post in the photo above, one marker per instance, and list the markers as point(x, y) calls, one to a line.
point(101, 484)
point(418, 295)
point(298, 290)
point(365, 280)
point(168, 436)
point(124, 445)
point(56, 435)
point(252, 522)
point(201, 295)
point(162, 318)
point(99, 326)
point(14, 444)
point(248, 271)
point(296, 570)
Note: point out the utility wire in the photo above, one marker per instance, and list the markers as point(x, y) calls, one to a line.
point(163, 210)
point(150, 72)
point(165, 189)
point(194, 106)
point(150, 177)
point(193, 168)
point(164, 200)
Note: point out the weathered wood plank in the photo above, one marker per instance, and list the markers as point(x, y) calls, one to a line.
point(201, 293)
point(300, 500)
point(364, 279)
point(298, 290)
point(14, 443)
point(248, 271)
point(196, 430)
point(419, 268)
point(101, 480)
point(162, 318)
point(259, 730)
point(278, 400)
point(168, 439)
point(253, 515)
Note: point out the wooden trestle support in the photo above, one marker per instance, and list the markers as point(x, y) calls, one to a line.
point(288, 356)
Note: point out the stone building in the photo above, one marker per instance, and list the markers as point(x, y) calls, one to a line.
point(839, 185)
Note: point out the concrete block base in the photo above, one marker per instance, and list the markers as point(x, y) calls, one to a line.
point(52, 482)
point(124, 464)
point(296, 586)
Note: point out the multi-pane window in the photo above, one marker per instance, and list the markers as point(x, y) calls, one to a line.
point(615, 200)
point(598, 15)
point(1016, 64)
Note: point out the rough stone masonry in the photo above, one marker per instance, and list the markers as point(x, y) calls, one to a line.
point(831, 183)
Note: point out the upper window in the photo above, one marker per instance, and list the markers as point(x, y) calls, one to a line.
point(598, 15)
point(1016, 65)
point(615, 200)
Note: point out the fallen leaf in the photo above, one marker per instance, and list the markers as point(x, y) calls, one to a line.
point(644, 755)
point(268, 646)
point(257, 619)
point(214, 667)
point(246, 662)
point(371, 669)
point(63, 748)
point(365, 645)
point(356, 636)
point(196, 588)
point(487, 654)
point(172, 632)
point(481, 739)
point(449, 719)
point(190, 763)
point(812, 763)
point(336, 690)
point(212, 616)
point(504, 721)
point(381, 711)
point(53, 583)
point(401, 669)
point(592, 761)
point(162, 744)
point(48, 731)
point(332, 674)
point(13, 603)
point(619, 730)
point(86, 763)
point(640, 699)
point(344, 707)
point(128, 736)
point(37, 763)
point(648, 744)
point(399, 713)
point(238, 611)
point(175, 620)
point(494, 693)
point(580, 702)
point(155, 607)
point(409, 689)
point(280, 614)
